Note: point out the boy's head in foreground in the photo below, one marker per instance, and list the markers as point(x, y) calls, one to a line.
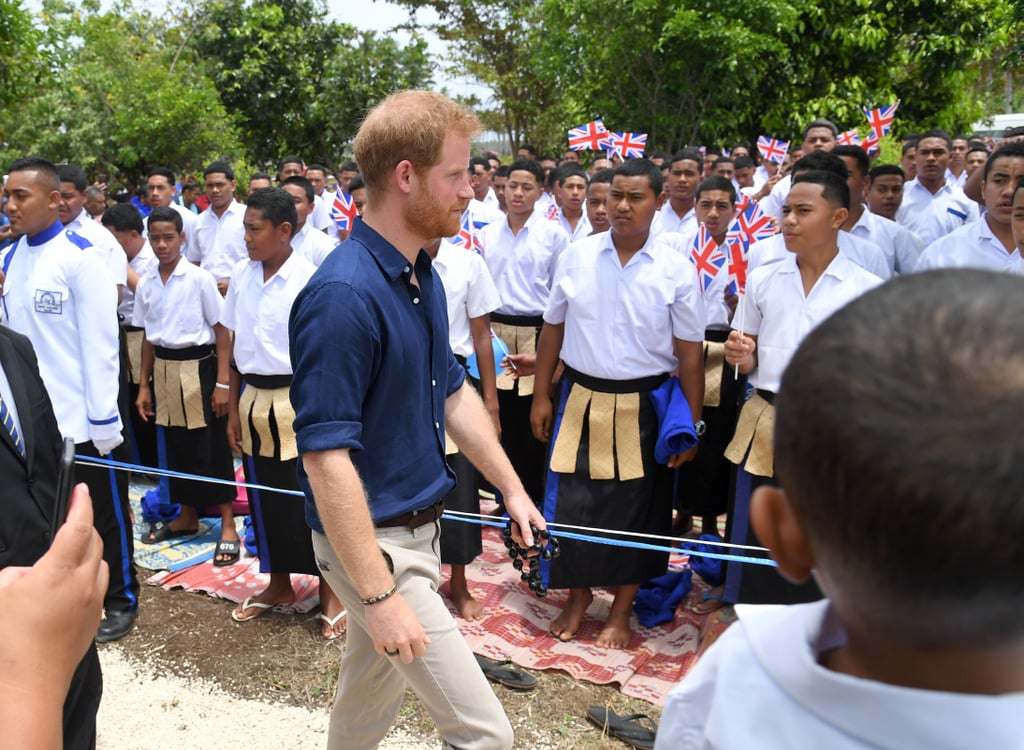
point(901, 463)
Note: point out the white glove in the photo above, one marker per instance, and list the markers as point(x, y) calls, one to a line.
point(106, 445)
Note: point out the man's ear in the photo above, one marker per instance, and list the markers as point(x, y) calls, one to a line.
point(403, 175)
point(778, 529)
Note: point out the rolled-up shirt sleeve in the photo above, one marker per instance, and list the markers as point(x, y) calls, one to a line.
point(335, 346)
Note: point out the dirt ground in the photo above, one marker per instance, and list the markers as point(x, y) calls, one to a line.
point(282, 658)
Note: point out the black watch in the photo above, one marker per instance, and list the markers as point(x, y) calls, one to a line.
point(699, 427)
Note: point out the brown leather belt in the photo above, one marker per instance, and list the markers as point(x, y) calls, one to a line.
point(414, 518)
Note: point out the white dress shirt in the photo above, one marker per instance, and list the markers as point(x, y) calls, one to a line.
point(776, 310)
point(522, 264)
point(973, 245)
point(620, 321)
point(865, 254)
point(921, 210)
point(667, 220)
point(313, 245)
point(470, 292)
point(143, 262)
point(220, 240)
point(180, 313)
point(104, 245)
point(257, 311)
point(902, 248)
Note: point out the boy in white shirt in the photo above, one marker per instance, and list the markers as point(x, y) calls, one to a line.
point(187, 353)
point(905, 504)
point(309, 242)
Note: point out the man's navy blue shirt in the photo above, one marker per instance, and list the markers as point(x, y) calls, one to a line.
point(372, 370)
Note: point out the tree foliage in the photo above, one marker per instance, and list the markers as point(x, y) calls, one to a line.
point(124, 97)
point(294, 81)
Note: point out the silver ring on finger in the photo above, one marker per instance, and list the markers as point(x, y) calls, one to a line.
point(389, 652)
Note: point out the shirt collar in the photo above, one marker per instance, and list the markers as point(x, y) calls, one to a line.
point(182, 266)
point(387, 256)
point(46, 235)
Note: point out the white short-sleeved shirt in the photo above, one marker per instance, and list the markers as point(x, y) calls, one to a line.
point(257, 311)
point(220, 240)
point(620, 321)
point(60, 295)
point(470, 292)
point(902, 248)
point(522, 265)
point(772, 203)
point(924, 213)
point(481, 214)
point(716, 312)
point(762, 685)
point(973, 245)
point(180, 313)
point(865, 254)
point(104, 245)
point(583, 228)
point(143, 262)
point(321, 218)
point(313, 245)
point(667, 220)
point(776, 311)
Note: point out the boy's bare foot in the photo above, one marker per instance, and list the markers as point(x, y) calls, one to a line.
point(564, 626)
point(469, 608)
point(615, 634)
point(257, 605)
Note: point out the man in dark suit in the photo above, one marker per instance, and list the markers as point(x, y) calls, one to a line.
point(28, 485)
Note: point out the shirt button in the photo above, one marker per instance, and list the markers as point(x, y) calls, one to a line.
point(415, 300)
point(433, 382)
point(437, 425)
point(406, 269)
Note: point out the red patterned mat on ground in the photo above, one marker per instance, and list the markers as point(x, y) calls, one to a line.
point(516, 627)
point(516, 623)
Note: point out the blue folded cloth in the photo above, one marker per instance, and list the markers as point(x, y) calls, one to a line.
point(675, 421)
point(708, 568)
point(249, 536)
point(155, 506)
point(656, 601)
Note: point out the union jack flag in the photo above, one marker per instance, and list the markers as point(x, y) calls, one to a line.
point(753, 225)
point(881, 119)
point(849, 138)
point(466, 238)
point(628, 145)
point(870, 142)
point(593, 136)
point(772, 149)
point(707, 257)
point(552, 213)
point(737, 257)
point(744, 202)
point(343, 210)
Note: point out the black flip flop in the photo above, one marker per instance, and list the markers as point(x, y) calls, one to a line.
point(233, 550)
point(161, 532)
point(625, 728)
point(506, 673)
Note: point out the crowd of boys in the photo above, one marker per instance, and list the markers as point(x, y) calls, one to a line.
point(595, 281)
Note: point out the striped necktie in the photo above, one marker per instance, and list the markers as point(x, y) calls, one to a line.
point(8, 421)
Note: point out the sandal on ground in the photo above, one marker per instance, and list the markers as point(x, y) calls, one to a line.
point(709, 602)
point(233, 550)
point(506, 673)
point(625, 728)
point(260, 607)
point(161, 531)
point(331, 622)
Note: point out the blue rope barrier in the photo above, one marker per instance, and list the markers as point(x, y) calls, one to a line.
point(467, 519)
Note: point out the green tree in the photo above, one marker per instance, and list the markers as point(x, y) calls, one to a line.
point(295, 82)
point(22, 66)
point(128, 97)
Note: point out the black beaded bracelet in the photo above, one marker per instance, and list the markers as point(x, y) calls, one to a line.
point(545, 547)
point(380, 597)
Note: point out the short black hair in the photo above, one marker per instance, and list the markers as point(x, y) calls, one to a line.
point(275, 205)
point(357, 183)
point(688, 154)
point(821, 123)
point(476, 161)
point(909, 144)
point(528, 148)
point(290, 159)
point(663, 155)
point(302, 182)
point(260, 176)
point(859, 156)
point(977, 146)
point(571, 169)
point(883, 169)
point(716, 183)
point(602, 176)
point(528, 165)
point(743, 162)
point(318, 168)
point(166, 213)
point(1012, 150)
point(642, 168)
point(162, 172)
point(501, 171)
point(220, 166)
point(833, 187)
point(826, 160)
point(348, 166)
point(47, 169)
point(123, 217)
point(723, 160)
point(937, 133)
point(74, 174)
point(909, 479)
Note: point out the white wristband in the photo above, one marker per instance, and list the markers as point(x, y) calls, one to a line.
point(222, 386)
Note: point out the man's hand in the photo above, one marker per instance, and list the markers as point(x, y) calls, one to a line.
point(144, 403)
point(393, 625)
point(540, 417)
point(221, 399)
point(234, 430)
point(222, 286)
point(678, 459)
point(524, 514)
point(523, 365)
point(739, 350)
